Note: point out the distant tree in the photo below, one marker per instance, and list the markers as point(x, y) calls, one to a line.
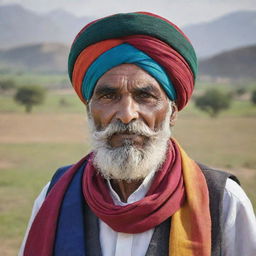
point(253, 97)
point(7, 85)
point(240, 91)
point(29, 96)
point(63, 102)
point(213, 102)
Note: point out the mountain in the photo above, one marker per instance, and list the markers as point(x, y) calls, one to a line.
point(225, 33)
point(238, 64)
point(44, 58)
point(19, 26)
point(48, 34)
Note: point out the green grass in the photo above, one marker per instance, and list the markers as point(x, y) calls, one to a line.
point(227, 86)
point(241, 108)
point(224, 142)
point(238, 108)
point(52, 103)
point(25, 169)
point(46, 80)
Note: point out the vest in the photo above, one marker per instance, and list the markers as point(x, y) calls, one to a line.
point(159, 244)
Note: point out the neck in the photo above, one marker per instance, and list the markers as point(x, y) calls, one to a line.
point(124, 188)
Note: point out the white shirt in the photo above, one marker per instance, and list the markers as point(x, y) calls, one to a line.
point(239, 224)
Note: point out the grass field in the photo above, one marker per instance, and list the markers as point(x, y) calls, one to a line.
point(33, 146)
point(50, 81)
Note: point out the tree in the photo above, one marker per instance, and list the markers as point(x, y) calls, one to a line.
point(240, 91)
point(7, 85)
point(29, 96)
point(213, 101)
point(253, 97)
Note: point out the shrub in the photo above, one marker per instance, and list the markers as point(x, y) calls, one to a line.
point(253, 97)
point(29, 96)
point(7, 85)
point(213, 102)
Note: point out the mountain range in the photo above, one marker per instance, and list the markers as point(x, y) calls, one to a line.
point(231, 31)
point(237, 64)
point(39, 43)
point(41, 58)
point(19, 26)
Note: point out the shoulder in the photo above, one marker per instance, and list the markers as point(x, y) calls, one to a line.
point(216, 180)
point(39, 200)
point(239, 232)
point(215, 176)
point(236, 202)
point(57, 175)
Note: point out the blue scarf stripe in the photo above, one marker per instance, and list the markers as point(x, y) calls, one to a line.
point(70, 237)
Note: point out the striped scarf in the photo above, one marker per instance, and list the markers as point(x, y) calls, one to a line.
point(179, 191)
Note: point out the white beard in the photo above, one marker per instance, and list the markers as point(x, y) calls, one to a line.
point(128, 162)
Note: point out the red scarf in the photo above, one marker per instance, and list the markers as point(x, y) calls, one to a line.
point(163, 199)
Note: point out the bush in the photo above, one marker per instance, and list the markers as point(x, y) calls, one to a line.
point(240, 91)
point(213, 102)
point(253, 97)
point(64, 102)
point(7, 85)
point(29, 96)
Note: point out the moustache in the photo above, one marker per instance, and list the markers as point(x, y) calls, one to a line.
point(135, 127)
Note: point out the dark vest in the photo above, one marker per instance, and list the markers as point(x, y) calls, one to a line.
point(159, 244)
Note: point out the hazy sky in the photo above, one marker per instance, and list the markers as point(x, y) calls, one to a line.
point(180, 11)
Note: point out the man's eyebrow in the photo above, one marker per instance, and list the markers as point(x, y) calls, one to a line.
point(147, 89)
point(105, 89)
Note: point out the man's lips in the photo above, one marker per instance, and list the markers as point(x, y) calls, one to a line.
point(119, 139)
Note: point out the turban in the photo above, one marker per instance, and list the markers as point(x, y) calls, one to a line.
point(144, 39)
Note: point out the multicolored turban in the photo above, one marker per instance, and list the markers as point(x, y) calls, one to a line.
point(144, 39)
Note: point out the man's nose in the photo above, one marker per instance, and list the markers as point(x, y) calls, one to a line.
point(127, 110)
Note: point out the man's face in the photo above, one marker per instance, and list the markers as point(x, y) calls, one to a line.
point(127, 93)
point(129, 115)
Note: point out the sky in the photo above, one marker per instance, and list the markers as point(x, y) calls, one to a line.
point(181, 12)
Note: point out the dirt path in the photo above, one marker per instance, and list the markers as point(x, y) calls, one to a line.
point(28, 128)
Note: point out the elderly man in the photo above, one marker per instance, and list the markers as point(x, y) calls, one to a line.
point(137, 193)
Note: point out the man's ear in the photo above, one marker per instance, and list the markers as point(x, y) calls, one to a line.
point(174, 114)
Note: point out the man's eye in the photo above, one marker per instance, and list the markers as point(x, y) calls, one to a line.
point(108, 96)
point(145, 96)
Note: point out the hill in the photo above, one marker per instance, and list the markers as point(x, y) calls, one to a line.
point(43, 58)
point(238, 64)
point(20, 26)
point(52, 58)
point(225, 33)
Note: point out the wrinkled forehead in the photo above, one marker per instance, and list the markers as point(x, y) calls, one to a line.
point(127, 73)
point(129, 78)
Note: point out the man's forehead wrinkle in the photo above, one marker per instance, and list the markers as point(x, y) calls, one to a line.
point(129, 78)
point(105, 88)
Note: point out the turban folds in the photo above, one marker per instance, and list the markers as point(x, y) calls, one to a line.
point(155, 37)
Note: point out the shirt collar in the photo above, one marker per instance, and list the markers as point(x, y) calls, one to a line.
point(137, 195)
